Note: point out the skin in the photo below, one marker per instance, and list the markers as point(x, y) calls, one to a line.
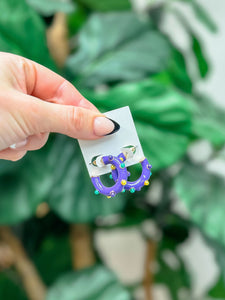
point(35, 101)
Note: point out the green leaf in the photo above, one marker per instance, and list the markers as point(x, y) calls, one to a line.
point(96, 283)
point(203, 193)
point(198, 52)
point(50, 7)
point(16, 202)
point(200, 56)
point(171, 270)
point(209, 121)
point(76, 20)
point(178, 72)
point(107, 5)
point(24, 186)
point(162, 117)
point(218, 290)
point(203, 16)
point(10, 286)
point(57, 174)
point(22, 32)
point(106, 56)
point(219, 251)
point(174, 277)
point(53, 258)
point(72, 197)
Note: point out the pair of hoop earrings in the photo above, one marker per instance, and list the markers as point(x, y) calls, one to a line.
point(120, 174)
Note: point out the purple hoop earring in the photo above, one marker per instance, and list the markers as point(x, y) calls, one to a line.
point(121, 180)
point(133, 186)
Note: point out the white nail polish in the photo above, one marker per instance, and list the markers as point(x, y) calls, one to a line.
point(18, 145)
point(13, 146)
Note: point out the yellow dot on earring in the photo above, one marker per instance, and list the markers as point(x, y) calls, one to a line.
point(121, 158)
point(123, 182)
point(146, 182)
point(113, 167)
point(108, 197)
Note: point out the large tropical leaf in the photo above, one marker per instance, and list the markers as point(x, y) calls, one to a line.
point(107, 5)
point(16, 203)
point(48, 8)
point(25, 184)
point(56, 174)
point(54, 252)
point(22, 32)
point(117, 46)
point(209, 121)
point(162, 117)
point(203, 193)
point(178, 72)
point(10, 287)
point(96, 283)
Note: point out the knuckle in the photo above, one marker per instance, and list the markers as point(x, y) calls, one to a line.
point(76, 118)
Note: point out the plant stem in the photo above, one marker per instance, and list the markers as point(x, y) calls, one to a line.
point(57, 37)
point(33, 284)
point(148, 272)
point(81, 243)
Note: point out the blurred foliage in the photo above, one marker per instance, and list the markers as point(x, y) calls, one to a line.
point(102, 284)
point(22, 29)
point(107, 5)
point(113, 56)
point(118, 57)
point(48, 8)
point(198, 188)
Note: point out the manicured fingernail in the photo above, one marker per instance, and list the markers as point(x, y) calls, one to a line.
point(18, 145)
point(105, 126)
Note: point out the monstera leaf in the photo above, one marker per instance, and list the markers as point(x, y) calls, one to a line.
point(209, 121)
point(105, 56)
point(22, 32)
point(178, 72)
point(16, 203)
point(48, 8)
point(25, 184)
point(96, 283)
point(107, 5)
point(11, 289)
point(56, 174)
point(203, 193)
point(162, 117)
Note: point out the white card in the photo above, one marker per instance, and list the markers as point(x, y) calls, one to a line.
point(112, 144)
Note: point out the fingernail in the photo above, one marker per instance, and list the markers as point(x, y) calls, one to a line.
point(105, 126)
point(18, 145)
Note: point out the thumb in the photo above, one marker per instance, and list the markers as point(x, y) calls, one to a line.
point(76, 122)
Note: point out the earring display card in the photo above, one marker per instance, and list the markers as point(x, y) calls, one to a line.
point(112, 144)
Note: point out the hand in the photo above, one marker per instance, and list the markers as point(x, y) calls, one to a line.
point(35, 101)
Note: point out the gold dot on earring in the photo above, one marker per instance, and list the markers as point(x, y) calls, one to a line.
point(123, 182)
point(146, 182)
point(121, 158)
point(108, 197)
point(113, 167)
